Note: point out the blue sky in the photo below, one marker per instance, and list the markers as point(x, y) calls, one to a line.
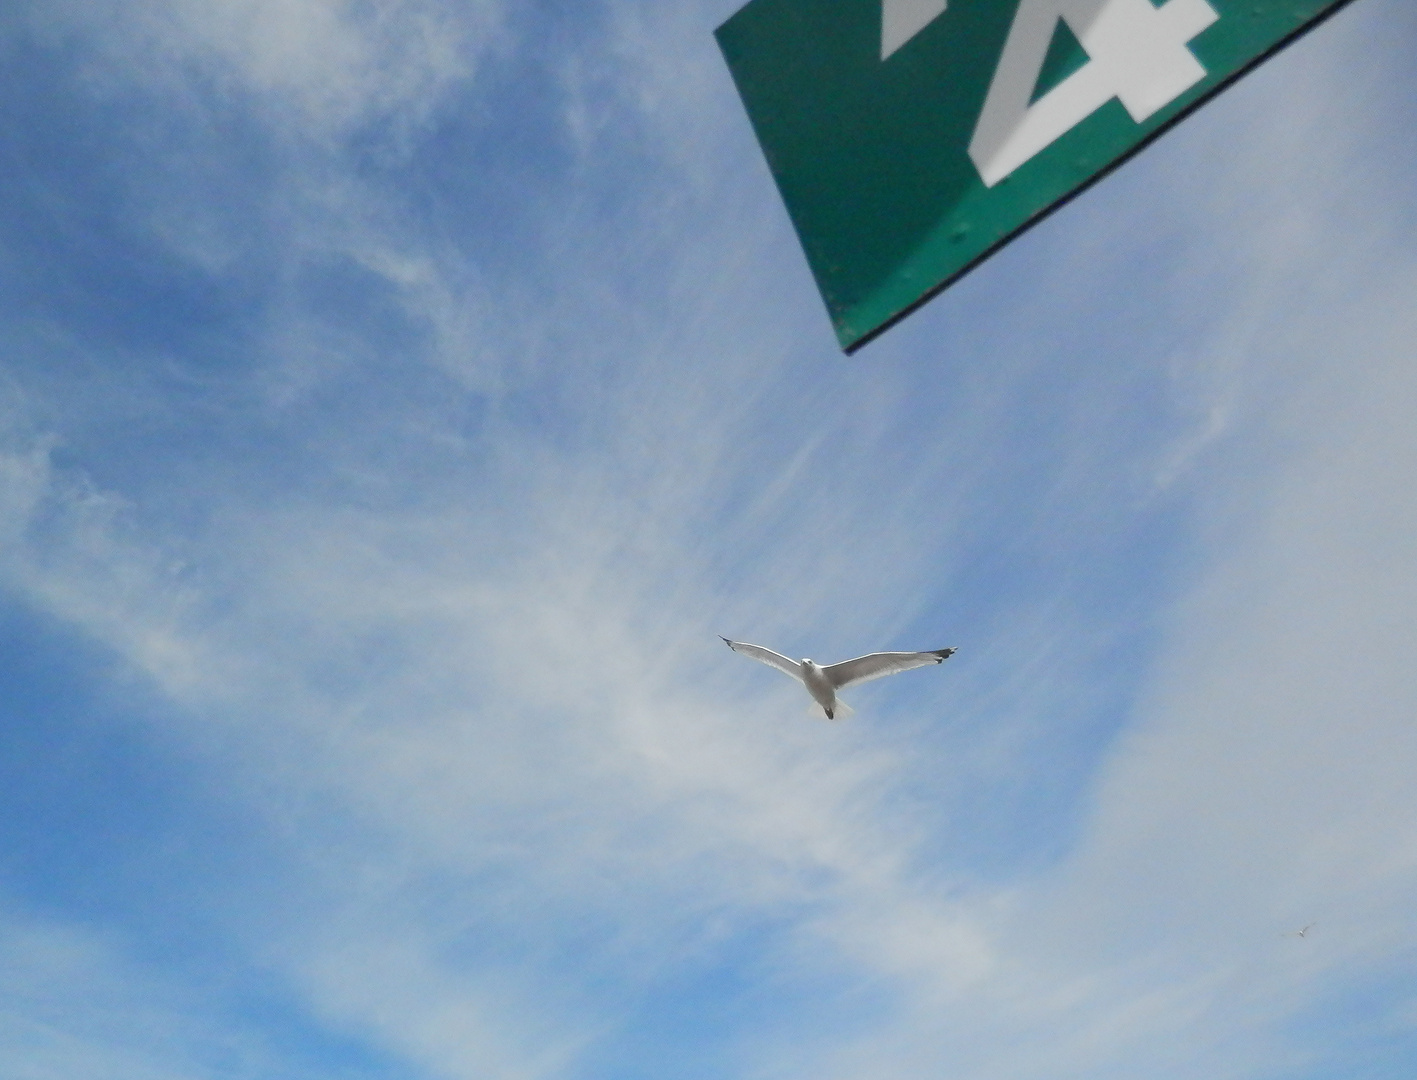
point(396, 400)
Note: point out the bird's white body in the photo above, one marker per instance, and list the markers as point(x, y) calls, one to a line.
point(814, 678)
point(823, 682)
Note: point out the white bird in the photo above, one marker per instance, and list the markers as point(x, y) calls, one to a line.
point(823, 682)
point(1303, 933)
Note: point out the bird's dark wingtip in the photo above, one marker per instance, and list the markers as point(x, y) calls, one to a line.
point(725, 641)
point(945, 654)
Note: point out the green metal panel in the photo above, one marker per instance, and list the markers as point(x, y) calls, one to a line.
point(875, 158)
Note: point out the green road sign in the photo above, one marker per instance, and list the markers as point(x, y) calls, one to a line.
point(912, 138)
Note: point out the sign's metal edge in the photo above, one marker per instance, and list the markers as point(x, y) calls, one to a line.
point(1102, 174)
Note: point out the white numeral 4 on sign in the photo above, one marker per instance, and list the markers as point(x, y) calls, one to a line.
point(901, 20)
point(1136, 53)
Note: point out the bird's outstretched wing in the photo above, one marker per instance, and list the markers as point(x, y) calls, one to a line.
point(874, 665)
point(767, 656)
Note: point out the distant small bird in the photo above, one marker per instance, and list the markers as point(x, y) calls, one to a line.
point(1303, 933)
point(823, 682)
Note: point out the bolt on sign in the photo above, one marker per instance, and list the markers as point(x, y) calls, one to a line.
point(913, 138)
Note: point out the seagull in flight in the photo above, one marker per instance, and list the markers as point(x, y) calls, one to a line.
point(823, 682)
point(1303, 933)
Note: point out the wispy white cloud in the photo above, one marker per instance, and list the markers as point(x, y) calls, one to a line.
point(322, 67)
point(472, 678)
point(73, 1005)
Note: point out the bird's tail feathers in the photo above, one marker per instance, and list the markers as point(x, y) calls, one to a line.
point(841, 712)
